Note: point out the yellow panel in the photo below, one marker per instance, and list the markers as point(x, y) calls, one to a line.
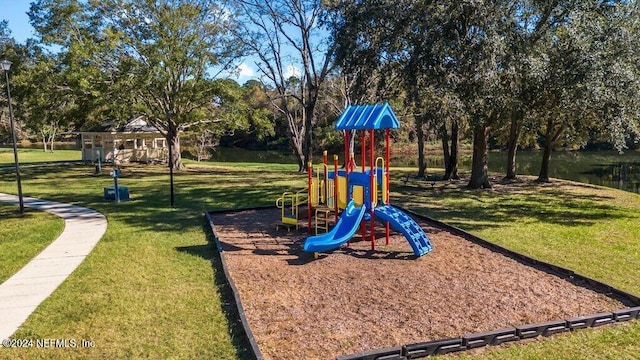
point(314, 192)
point(330, 190)
point(357, 195)
point(375, 193)
point(290, 221)
point(342, 192)
point(385, 197)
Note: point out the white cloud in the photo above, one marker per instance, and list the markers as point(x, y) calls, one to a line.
point(292, 71)
point(245, 71)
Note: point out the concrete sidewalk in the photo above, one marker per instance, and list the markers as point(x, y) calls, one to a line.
point(21, 294)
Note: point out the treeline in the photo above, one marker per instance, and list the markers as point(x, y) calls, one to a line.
point(507, 74)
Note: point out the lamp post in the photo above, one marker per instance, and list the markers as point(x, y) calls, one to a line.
point(6, 66)
point(170, 139)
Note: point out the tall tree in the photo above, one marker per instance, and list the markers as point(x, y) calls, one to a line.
point(591, 79)
point(47, 105)
point(287, 37)
point(449, 48)
point(156, 58)
point(471, 45)
point(532, 22)
point(615, 82)
point(393, 42)
point(14, 52)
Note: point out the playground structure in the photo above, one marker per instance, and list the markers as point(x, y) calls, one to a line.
point(352, 197)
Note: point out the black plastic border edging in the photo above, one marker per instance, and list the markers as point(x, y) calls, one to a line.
point(380, 354)
point(470, 341)
point(255, 349)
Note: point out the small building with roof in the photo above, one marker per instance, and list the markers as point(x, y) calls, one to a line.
point(134, 141)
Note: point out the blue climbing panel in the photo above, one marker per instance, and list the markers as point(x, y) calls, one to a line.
point(402, 222)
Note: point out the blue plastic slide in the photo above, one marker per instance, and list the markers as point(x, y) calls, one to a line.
point(346, 226)
point(400, 221)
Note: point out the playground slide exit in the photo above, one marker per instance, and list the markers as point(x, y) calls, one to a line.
point(344, 230)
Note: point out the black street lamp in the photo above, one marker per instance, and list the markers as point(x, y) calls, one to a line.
point(6, 66)
point(170, 139)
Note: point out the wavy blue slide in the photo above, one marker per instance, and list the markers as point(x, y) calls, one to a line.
point(402, 222)
point(346, 226)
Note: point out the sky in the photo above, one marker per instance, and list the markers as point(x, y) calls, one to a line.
point(15, 12)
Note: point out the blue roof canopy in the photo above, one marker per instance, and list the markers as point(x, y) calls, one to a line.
point(367, 117)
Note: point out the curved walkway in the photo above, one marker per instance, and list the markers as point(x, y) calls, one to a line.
point(21, 294)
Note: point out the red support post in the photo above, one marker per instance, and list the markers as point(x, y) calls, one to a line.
point(387, 156)
point(347, 160)
point(364, 149)
point(371, 192)
point(387, 142)
point(346, 148)
point(335, 184)
point(310, 172)
point(325, 169)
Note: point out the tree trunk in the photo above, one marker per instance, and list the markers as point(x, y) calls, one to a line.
point(444, 135)
point(177, 157)
point(511, 160)
point(308, 132)
point(296, 136)
point(44, 142)
point(422, 164)
point(297, 148)
point(512, 145)
point(544, 168)
point(546, 155)
point(352, 145)
point(451, 172)
point(307, 144)
point(479, 167)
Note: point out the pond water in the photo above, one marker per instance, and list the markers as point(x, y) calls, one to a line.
point(606, 168)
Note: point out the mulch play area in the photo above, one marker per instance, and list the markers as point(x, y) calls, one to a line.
point(353, 299)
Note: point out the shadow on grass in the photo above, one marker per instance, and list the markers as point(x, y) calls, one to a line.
point(12, 211)
point(202, 189)
point(476, 210)
point(149, 208)
point(202, 251)
point(227, 300)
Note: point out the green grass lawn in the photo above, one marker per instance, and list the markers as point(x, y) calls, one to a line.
point(24, 236)
point(148, 289)
point(29, 156)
